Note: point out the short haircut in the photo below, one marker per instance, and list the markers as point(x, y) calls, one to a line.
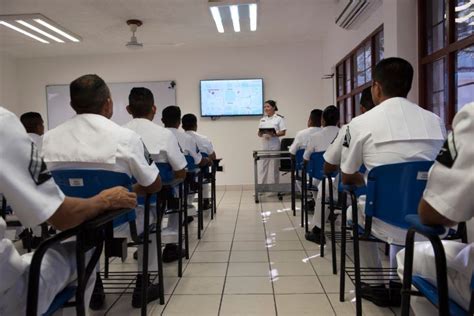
point(315, 116)
point(171, 115)
point(31, 121)
point(273, 104)
point(366, 99)
point(88, 94)
point(140, 101)
point(189, 121)
point(331, 115)
point(395, 75)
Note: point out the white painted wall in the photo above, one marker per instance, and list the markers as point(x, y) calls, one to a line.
point(291, 77)
point(8, 82)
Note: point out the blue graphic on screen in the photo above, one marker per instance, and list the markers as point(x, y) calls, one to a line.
point(232, 97)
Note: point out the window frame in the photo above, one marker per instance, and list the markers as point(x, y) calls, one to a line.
point(354, 88)
point(449, 52)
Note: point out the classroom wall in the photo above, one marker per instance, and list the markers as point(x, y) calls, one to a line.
point(8, 82)
point(291, 76)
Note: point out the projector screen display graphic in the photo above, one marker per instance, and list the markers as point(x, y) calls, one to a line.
point(243, 97)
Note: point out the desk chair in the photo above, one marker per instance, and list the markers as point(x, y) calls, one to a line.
point(191, 187)
point(313, 169)
point(393, 191)
point(296, 168)
point(285, 164)
point(86, 183)
point(438, 296)
point(209, 175)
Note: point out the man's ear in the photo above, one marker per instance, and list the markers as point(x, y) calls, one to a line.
point(128, 110)
point(153, 109)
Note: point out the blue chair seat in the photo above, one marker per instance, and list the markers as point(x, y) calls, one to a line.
point(61, 299)
point(431, 293)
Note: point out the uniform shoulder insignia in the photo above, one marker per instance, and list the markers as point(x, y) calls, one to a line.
point(280, 116)
point(448, 152)
point(335, 137)
point(37, 168)
point(347, 138)
point(147, 155)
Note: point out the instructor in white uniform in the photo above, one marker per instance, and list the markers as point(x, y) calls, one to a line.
point(448, 200)
point(268, 173)
point(36, 199)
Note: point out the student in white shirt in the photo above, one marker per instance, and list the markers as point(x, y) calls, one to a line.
point(34, 125)
point(162, 146)
point(36, 199)
point(448, 200)
point(302, 137)
point(332, 158)
point(204, 144)
point(90, 140)
point(394, 131)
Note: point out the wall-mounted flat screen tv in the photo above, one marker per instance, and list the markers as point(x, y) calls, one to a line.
point(233, 97)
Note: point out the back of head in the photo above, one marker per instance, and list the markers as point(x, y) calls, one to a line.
point(315, 117)
point(189, 122)
point(140, 102)
point(171, 116)
point(32, 121)
point(395, 76)
point(89, 93)
point(366, 99)
point(331, 115)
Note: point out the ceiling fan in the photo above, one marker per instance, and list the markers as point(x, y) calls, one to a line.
point(133, 43)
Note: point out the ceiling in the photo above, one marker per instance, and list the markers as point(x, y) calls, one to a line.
point(167, 25)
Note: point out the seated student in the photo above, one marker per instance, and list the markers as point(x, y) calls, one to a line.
point(90, 140)
point(162, 145)
point(34, 125)
point(189, 124)
point(37, 199)
point(448, 200)
point(302, 137)
point(394, 131)
point(332, 158)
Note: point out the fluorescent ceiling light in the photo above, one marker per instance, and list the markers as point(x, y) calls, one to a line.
point(253, 16)
point(465, 18)
point(24, 32)
point(465, 6)
point(34, 28)
point(55, 29)
point(234, 14)
point(217, 19)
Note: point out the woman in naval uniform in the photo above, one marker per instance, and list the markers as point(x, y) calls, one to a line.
point(268, 173)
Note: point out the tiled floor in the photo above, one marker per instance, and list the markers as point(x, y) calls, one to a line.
point(252, 260)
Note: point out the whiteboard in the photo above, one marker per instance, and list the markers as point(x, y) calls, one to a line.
point(59, 109)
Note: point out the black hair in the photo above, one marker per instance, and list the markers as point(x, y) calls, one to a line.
point(273, 104)
point(140, 101)
point(331, 115)
point(395, 75)
point(366, 99)
point(315, 117)
point(31, 121)
point(189, 121)
point(88, 94)
point(171, 116)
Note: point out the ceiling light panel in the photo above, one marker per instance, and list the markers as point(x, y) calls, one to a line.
point(39, 27)
point(235, 14)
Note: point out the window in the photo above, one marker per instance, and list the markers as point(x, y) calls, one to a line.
point(354, 74)
point(446, 33)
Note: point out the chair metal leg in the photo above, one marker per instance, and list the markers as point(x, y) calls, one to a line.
point(159, 215)
point(333, 226)
point(81, 271)
point(355, 233)
point(323, 217)
point(184, 204)
point(293, 187)
point(303, 194)
point(407, 272)
point(180, 240)
point(146, 241)
point(342, 277)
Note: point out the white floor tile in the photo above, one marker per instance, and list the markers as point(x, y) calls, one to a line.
point(248, 285)
point(196, 305)
point(249, 256)
point(303, 304)
point(248, 269)
point(200, 285)
point(205, 269)
point(210, 256)
point(247, 305)
point(297, 285)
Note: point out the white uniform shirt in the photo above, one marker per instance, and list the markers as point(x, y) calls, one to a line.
point(160, 142)
point(276, 121)
point(320, 141)
point(30, 191)
point(395, 131)
point(203, 142)
point(37, 139)
point(188, 144)
point(333, 152)
point(302, 138)
point(91, 141)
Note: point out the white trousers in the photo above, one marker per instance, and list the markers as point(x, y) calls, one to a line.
point(58, 270)
point(316, 221)
point(459, 260)
point(268, 170)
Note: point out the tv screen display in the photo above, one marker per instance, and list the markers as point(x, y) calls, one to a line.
point(242, 97)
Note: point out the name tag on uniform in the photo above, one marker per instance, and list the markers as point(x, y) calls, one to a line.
point(76, 182)
point(422, 175)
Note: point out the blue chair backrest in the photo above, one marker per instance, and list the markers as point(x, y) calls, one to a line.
point(299, 159)
point(166, 171)
point(190, 160)
point(394, 191)
point(316, 165)
point(85, 183)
